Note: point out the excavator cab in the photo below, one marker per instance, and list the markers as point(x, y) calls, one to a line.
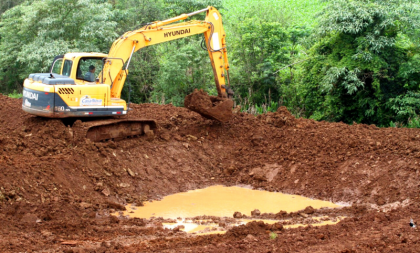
point(84, 65)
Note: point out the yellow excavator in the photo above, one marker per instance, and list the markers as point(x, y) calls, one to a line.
point(86, 85)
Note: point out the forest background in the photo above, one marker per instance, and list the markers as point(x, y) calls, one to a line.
point(334, 60)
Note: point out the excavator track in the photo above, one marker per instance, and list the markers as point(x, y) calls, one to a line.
point(113, 129)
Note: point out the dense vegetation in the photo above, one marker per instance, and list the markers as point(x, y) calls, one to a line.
point(335, 60)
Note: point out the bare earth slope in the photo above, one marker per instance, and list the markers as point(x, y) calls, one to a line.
point(56, 194)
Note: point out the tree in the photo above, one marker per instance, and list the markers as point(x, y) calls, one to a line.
point(36, 31)
point(355, 65)
point(144, 66)
point(182, 71)
point(183, 64)
point(166, 73)
point(259, 49)
point(178, 7)
point(7, 4)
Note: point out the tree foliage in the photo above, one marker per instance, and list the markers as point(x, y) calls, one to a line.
point(183, 64)
point(357, 62)
point(260, 48)
point(34, 32)
point(8, 4)
point(188, 68)
point(168, 72)
point(144, 66)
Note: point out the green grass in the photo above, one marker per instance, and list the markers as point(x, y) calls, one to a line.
point(413, 122)
point(15, 94)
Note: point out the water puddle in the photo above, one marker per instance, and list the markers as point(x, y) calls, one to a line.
point(220, 201)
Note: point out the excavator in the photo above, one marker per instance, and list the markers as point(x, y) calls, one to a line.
point(88, 86)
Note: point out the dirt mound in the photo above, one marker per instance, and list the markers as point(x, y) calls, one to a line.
point(210, 107)
point(251, 228)
point(283, 117)
point(58, 194)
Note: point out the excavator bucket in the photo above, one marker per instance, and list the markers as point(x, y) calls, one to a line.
point(211, 107)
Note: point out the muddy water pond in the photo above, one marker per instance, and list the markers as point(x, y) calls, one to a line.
point(220, 201)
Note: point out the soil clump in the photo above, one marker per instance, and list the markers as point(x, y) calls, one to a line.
point(57, 194)
point(211, 107)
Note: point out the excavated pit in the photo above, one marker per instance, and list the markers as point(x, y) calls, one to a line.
point(58, 196)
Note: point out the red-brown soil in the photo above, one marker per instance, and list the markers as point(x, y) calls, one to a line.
point(56, 194)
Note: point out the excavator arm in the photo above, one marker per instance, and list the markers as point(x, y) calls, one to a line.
point(116, 64)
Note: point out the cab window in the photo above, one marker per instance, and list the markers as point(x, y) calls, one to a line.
point(67, 67)
point(89, 69)
point(56, 68)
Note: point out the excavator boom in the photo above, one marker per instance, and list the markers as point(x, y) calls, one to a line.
point(163, 31)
